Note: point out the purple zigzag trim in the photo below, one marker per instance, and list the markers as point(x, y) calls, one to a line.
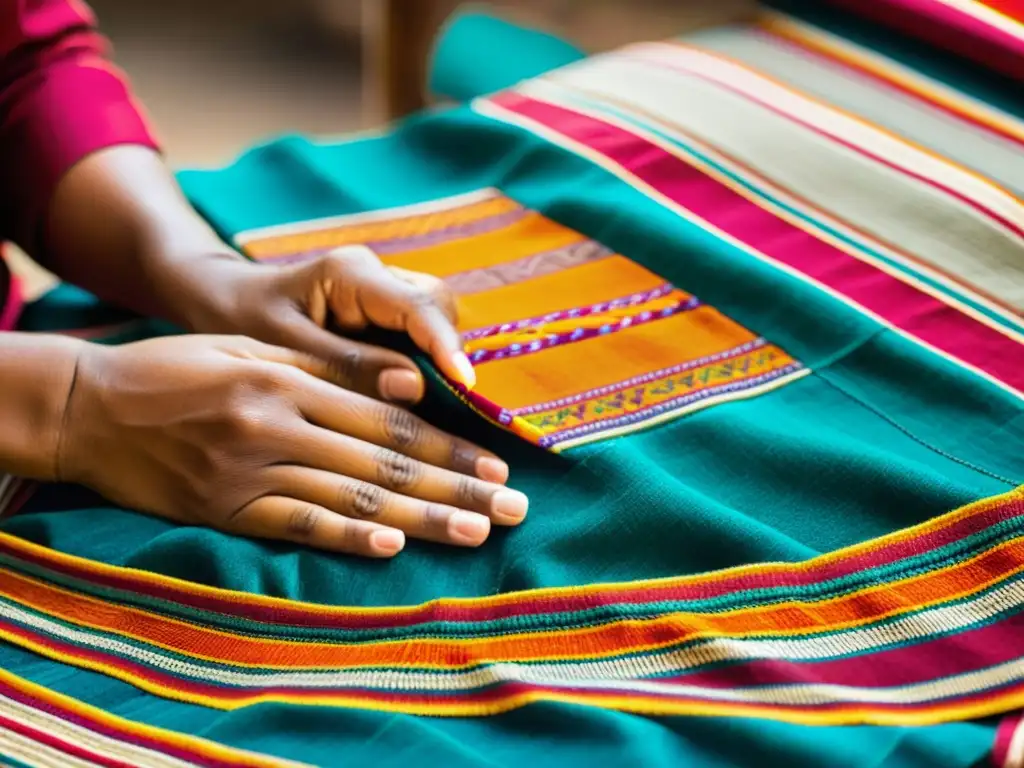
point(669, 405)
point(581, 334)
point(564, 314)
point(645, 378)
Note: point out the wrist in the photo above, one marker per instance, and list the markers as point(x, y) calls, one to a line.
point(37, 374)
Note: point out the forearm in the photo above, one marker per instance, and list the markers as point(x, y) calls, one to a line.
point(119, 226)
point(36, 375)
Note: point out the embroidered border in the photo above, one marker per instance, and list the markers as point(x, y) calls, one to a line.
point(862, 635)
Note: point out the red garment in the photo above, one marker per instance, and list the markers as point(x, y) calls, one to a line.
point(60, 100)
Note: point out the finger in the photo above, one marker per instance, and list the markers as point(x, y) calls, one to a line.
point(364, 290)
point(372, 371)
point(366, 502)
point(284, 518)
point(347, 413)
point(399, 473)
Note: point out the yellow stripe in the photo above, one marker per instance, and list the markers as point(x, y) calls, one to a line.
point(555, 593)
point(638, 703)
point(695, 627)
point(93, 714)
point(842, 50)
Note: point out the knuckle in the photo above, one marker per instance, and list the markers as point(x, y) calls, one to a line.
point(435, 519)
point(345, 365)
point(401, 428)
point(303, 521)
point(397, 471)
point(246, 421)
point(470, 493)
point(363, 500)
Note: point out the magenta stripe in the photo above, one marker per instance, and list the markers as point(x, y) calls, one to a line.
point(649, 55)
point(1008, 726)
point(947, 27)
point(887, 554)
point(909, 309)
point(11, 304)
point(937, 657)
point(99, 727)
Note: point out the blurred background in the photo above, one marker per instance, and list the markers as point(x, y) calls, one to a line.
point(217, 75)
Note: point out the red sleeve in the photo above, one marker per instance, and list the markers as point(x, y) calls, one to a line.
point(60, 100)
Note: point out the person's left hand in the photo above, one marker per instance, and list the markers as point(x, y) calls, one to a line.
point(291, 306)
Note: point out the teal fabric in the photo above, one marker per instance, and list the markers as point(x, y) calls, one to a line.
point(840, 456)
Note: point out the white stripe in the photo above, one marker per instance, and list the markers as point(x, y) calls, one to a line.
point(1015, 751)
point(30, 752)
point(85, 738)
point(761, 90)
point(900, 72)
point(920, 218)
point(383, 214)
point(987, 15)
point(486, 107)
point(814, 218)
point(617, 674)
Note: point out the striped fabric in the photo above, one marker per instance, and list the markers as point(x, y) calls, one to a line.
point(917, 627)
point(913, 217)
point(990, 32)
point(41, 728)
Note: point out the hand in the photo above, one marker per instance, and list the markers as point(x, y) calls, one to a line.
point(258, 440)
point(289, 306)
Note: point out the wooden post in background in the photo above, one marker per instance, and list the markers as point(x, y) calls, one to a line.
point(398, 36)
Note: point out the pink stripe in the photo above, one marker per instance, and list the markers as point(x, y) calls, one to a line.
point(889, 553)
point(955, 654)
point(650, 56)
point(952, 29)
point(1004, 737)
point(55, 743)
point(852, 68)
point(915, 312)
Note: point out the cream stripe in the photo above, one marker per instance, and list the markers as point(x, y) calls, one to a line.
point(384, 214)
point(546, 91)
point(891, 148)
point(88, 739)
point(33, 753)
point(615, 673)
point(834, 81)
point(913, 215)
point(988, 15)
point(1015, 752)
point(900, 73)
point(552, 93)
point(486, 107)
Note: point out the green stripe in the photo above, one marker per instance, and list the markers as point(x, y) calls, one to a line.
point(936, 559)
point(672, 648)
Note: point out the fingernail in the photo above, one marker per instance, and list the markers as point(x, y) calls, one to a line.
point(400, 385)
point(465, 369)
point(387, 542)
point(492, 470)
point(468, 528)
point(509, 506)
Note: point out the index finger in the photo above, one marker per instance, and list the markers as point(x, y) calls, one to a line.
point(402, 301)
